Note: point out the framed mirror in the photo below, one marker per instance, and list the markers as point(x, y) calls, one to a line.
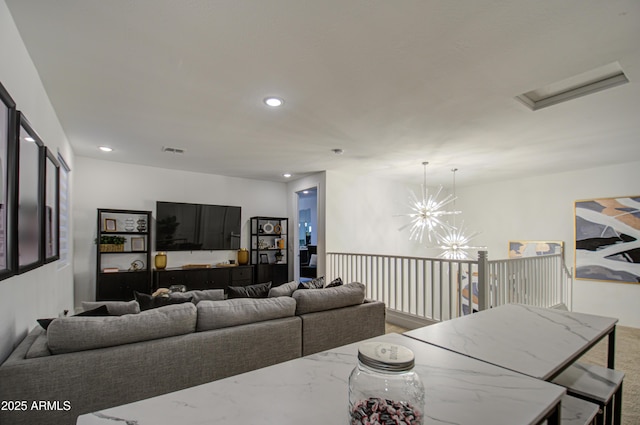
point(30, 197)
point(7, 183)
point(51, 207)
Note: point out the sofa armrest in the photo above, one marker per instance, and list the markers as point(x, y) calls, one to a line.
point(328, 329)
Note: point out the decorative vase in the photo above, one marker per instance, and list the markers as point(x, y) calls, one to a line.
point(160, 260)
point(128, 225)
point(243, 256)
point(142, 225)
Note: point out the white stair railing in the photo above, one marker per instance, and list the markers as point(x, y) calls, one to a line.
point(436, 289)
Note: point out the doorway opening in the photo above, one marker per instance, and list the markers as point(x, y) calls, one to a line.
point(307, 258)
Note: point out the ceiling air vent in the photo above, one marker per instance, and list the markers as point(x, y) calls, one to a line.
point(172, 150)
point(602, 78)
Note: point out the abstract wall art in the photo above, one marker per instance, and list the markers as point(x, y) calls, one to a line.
point(520, 249)
point(607, 233)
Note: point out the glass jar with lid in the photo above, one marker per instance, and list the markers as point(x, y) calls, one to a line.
point(384, 387)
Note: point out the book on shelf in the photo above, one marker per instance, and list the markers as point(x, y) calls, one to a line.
point(110, 270)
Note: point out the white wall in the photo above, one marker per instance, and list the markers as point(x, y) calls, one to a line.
point(541, 208)
point(360, 218)
point(46, 291)
point(108, 184)
point(364, 215)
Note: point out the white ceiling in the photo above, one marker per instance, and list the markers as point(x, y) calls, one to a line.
point(393, 83)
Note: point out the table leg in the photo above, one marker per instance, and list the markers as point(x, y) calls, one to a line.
point(611, 356)
point(617, 413)
point(554, 416)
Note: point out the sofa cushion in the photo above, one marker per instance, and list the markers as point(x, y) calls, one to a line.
point(284, 290)
point(68, 334)
point(197, 296)
point(260, 290)
point(115, 308)
point(40, 347)
point(240, 311)
point(148, 302)
point(330, 298)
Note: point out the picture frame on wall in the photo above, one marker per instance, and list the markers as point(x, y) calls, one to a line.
point(606, 235)
point(30, 212)
point(7, 184)
point(521, 249)
point(52, 207)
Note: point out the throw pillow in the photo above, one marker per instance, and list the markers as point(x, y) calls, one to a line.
point(100, 311)
point(335, 282)
point(317, 283)
point(284, 290)
point(328, 299)
point(260, 290)
point(241, 311)
point(147, 302)
point(116, 308)
point(197, 295)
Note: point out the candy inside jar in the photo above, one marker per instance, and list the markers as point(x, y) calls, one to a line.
point(384, 388)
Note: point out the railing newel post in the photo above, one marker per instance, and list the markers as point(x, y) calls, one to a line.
point(483, 282)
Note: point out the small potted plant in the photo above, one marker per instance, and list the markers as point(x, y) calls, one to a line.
point(112, 243)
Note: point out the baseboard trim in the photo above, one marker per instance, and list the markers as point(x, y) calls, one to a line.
point(407, 321)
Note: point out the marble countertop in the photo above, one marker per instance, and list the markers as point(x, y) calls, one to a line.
point(314, 390)
point(535, 341)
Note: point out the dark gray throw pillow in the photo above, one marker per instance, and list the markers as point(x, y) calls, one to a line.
point(99, 311)
point(260, 290)
point(147, 302)
point(335, 282)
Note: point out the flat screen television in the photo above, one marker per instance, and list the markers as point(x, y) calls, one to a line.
point(197, 227)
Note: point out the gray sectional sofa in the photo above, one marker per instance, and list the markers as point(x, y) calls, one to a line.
point(85, 364)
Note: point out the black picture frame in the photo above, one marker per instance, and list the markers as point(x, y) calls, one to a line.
point(264, 259)
point(8, 175)
point(30, 200)
point(51, 216)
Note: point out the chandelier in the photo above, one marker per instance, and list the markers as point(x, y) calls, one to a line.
point(454, 240)
point(428, 212)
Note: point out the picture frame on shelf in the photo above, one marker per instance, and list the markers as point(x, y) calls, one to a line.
point(264, 259)
point(137, 244)
point(110, 225)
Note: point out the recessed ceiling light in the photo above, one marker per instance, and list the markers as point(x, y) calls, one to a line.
point(29, 139)
point(273, 101)
point(105, 148)
point(286, 175)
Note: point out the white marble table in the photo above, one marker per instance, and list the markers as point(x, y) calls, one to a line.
point(314, 390)
point(535, 341)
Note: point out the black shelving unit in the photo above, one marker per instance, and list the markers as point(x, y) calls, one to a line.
point(269, 249)
point(122, 269)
